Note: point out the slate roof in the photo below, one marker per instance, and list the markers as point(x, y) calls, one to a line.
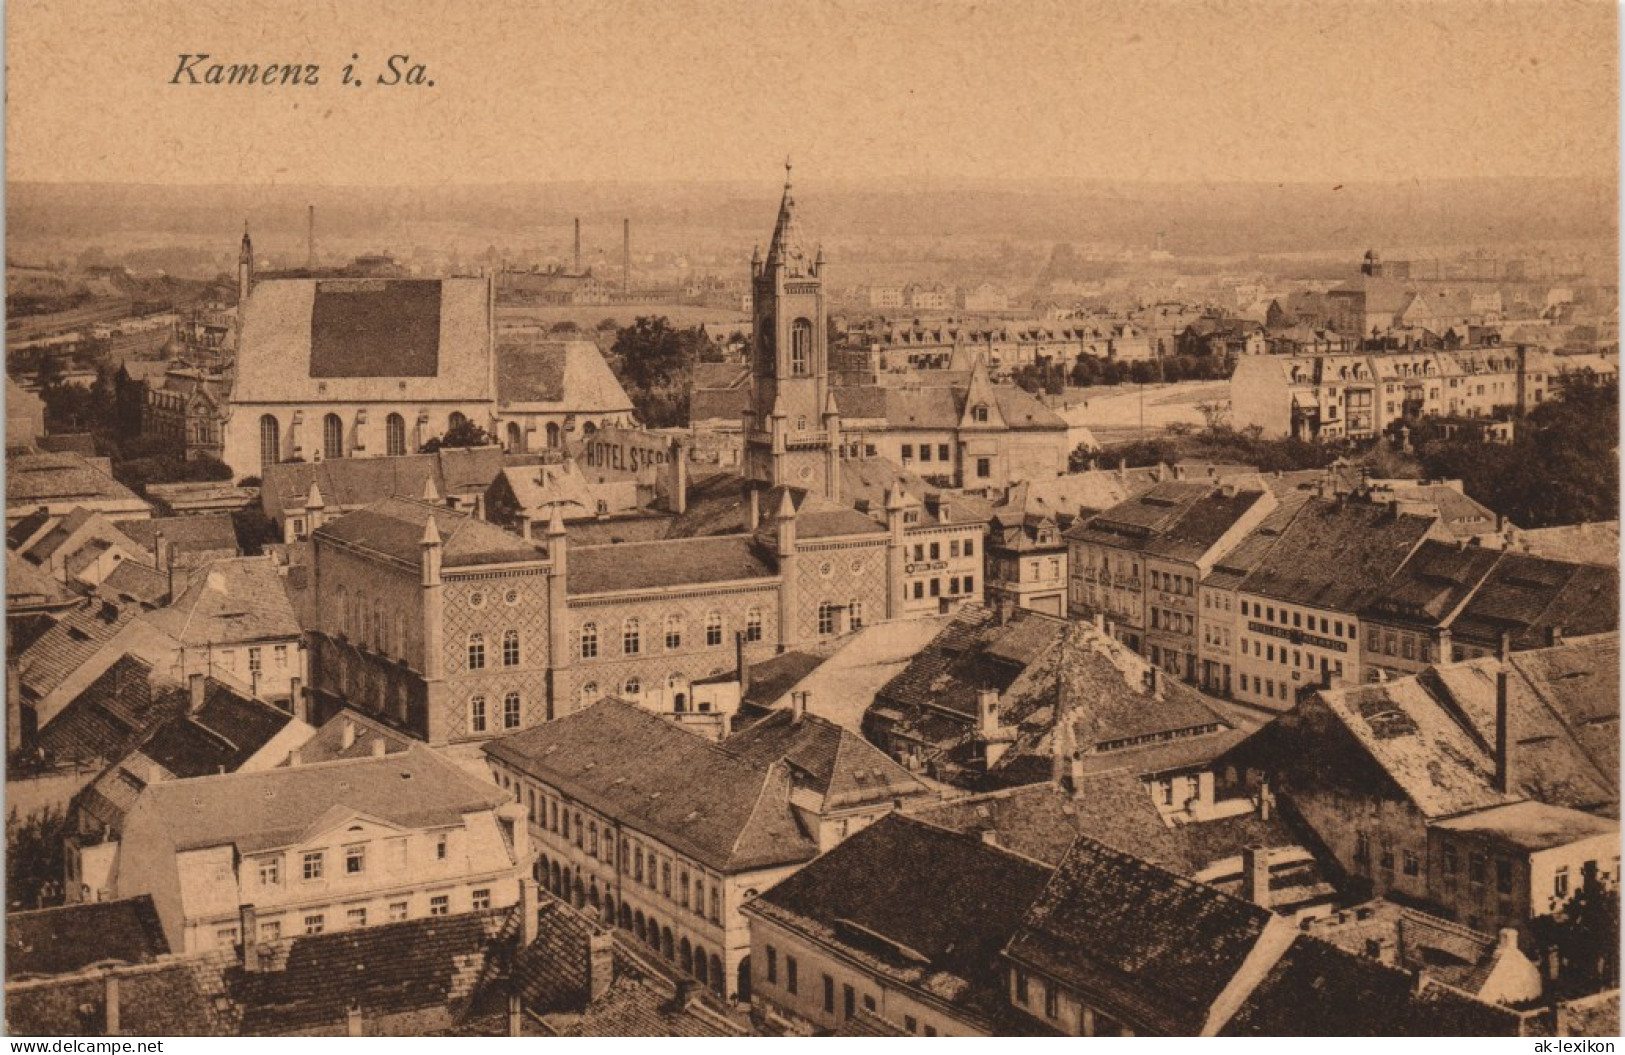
point(201, 533)
point(1141, 943)
point(656, 777)
point(1132, 523)
point(842, 767)
point(264, 809)
point(394, 527)
point(133, 582)
point(634, 1008)
point(1531, 826)
point(28, 585)
point(1428, 589)
point(70, 938)
point(1337, 556)
point(428, 965)
point(569, 376)
point(230, 600)
point(969, 655)
point(346, 483)
point(110, 716)
point(1203, 524)
point(670, 562)
point(328, 742)
point(1317, 990)
point(918, 905)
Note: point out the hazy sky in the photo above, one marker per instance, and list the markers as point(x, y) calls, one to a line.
point(678, 89)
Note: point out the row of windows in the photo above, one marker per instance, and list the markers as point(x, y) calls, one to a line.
point(313, 863)
point(1167, 582)
point(943, 452)
point(632, 633)
point(1266, 613)
point(957, 586)
point(645, 866)
point(1390, 643)
point(934, 549)
point(479, 716)
point(333, 444)
point(316, 922)
point(1216, 600)
point(848, 994)
point(1177, 622)
point(476, 649)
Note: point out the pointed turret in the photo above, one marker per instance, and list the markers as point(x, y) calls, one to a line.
point(786, 249)
point(431, 493)
point(245, 269)
point(314, 507)
point(432, 555)
point(555, 522)
point(786, 524)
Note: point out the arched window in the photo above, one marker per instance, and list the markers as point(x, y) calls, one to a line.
point(552, 434)
point(800, 347)
point(270, 440)
point(589, 693)
point(713, 629)
point(589, 428)
point(677, 690)
point(753, 625)
point(631, 639)
point(332, 437)
point(395, 435)
point(476, 714)
point(633, 689)
point(456, 420)
point(510, 648)
point(510, 711)
point(476, 651)
point(592, 838)
point(827, 617)
point(589, 640)
point(516, 437)
point(674, 631)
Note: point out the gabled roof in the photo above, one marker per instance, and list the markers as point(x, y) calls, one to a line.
point(33, 479)
point(1337, 555)
point(395, 527)
point(670, 562)
point(363, 734)
point(265, 809)
point(1131, 524)
point(656, 777)
point(79, 527)
point(130, 581)
point(358, 337)
point(1430, 587)
point(69, 938)
point(567, 376)
point(1206, 521)
point(230, 600)
point(1529, 597)
point(1137, 941)
point(76, 637)
point(837, 764)
point(1317, 990)
point(972, 653)
point(27, 585)
point(165, 1000)
point(916, 904)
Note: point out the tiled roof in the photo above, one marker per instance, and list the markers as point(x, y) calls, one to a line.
point(1130, 524)
point(816, 517)
point(65, 647)
point(133, 582)
point(395, 527)
point(771, 678)
point(110, 716)
point(654, 776)
point(1529, 596)
point(553, 973)
point(568, 375)
point(359, 335)
point(671, 562)
point(634, 1008)
point(841, 766)
point(39, 478)
point(66, 939)
point(202, 533)
point(346, 483)
point(969, 655)
point(920, 905)
point(161, 1001)
point(265, 809)
point(1531, 826)
point(28, 585)
point(1336, 556)
point(1203, 524)
point(79, 527)
point(1434, 734)
point(1137, 941)
point(1430, 587)
point(1593, 543)
point(231, 600)
point(364, 731)
point(422, 965)
point(1317, 990)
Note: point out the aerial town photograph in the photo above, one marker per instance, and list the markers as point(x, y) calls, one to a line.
point(924, 518)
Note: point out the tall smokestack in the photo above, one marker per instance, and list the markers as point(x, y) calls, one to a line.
point(626, 256)
point(578, 245)
point(1503, 774)
point(310, 240)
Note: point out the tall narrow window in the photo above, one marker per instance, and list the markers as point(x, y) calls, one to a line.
point(270, 440)
point(589, 640)
point(476, 714)
point(510, 648)
point(753, 625)
point(713, 629)
point(631, 637)
point(800, 347)
point(395, 435)
point(476, 651)
point(332, 437)
point(674, 631)
point(516, 438)
point(456, 420)
point(854, 612)
point(510, 711)
point(826, 618)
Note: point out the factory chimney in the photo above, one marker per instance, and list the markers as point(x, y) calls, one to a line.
point(310, 240)
point(626, 256)
point(578, 246)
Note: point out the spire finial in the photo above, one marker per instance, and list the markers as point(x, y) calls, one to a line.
point(787, 172)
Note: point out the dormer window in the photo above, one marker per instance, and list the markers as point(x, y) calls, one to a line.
point(979, 413)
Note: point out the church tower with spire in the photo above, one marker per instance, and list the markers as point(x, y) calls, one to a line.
point(245, 268)
point(792, 428)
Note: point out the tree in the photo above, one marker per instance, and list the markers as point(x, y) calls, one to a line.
point(1585, 934)
point(34, 862)
point(1215, 413)
point(653, 353)
point(463, 434)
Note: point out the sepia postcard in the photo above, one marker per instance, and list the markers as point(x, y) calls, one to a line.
point(710, 518)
